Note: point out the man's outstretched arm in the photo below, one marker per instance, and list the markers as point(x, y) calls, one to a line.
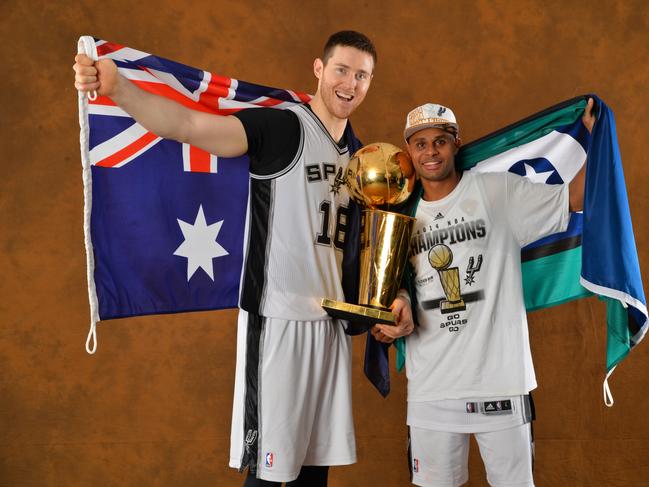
point(220, 135)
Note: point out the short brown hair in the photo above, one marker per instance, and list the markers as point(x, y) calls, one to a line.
point(349, 38)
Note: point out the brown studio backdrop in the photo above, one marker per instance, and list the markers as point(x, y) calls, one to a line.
point(152, 407)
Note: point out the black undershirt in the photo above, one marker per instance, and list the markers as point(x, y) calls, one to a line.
point(273, 138)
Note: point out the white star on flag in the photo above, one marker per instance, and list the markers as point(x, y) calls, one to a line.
point(536, 177)
point(200, 245)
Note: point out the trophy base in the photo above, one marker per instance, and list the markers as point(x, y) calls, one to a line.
point(452, 306)
point(355, 313)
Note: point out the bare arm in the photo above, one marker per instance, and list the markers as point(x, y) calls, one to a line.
point(223, 136)
point(576, 186)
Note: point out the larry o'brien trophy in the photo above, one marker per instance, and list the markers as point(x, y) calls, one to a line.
point(378, 176)
point(440, 258)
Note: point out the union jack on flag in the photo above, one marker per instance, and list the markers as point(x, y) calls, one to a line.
point(191, 87)
point(164, 220)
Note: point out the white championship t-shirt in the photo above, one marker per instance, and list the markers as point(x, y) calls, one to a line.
point(473, 341)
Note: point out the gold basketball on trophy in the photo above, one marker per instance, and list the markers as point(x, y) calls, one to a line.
point(440, 257)
point(379, 175)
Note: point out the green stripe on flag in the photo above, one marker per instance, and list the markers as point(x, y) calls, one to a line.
point(553, 280)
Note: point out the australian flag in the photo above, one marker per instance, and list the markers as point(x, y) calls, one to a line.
point(165, 221)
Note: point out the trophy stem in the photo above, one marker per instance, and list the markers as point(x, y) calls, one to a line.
point(385, 243)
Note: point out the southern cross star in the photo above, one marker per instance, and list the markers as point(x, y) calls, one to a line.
point(536, 177)
point(200, 245)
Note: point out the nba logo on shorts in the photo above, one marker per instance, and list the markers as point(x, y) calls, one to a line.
point(269, 460)
point(415, 465)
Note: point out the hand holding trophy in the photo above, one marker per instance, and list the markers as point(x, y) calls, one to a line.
point(378, 176)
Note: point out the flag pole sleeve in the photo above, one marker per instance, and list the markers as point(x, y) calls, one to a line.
point(86, 45)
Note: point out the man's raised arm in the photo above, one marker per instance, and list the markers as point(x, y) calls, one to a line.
point(576, 186)
point(219, 135)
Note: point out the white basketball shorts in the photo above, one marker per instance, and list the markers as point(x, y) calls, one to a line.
point(440, 458)
point(292, 397)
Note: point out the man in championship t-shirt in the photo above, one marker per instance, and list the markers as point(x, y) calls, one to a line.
point(292, 414)
point(468, 363)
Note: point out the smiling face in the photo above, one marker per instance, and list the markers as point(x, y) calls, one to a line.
point(343, 80)
point(433, 154)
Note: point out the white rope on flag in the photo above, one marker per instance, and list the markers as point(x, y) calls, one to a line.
point(86, 45)
point(608, 397)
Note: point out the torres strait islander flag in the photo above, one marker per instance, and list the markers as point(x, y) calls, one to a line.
point(597, 253)
point(164, 221)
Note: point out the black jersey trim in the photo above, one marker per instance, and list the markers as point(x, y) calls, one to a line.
point(314, 117)
point(256, 265)
point(251, 416)
point(292, 164)
point(409, 456)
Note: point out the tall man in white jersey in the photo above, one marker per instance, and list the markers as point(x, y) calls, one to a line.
point(468, 364)
point(292, 414)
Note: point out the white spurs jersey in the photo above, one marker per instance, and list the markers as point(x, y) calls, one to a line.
point(296, 229)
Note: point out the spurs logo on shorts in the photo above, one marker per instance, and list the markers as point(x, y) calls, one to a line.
point(251, 438)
